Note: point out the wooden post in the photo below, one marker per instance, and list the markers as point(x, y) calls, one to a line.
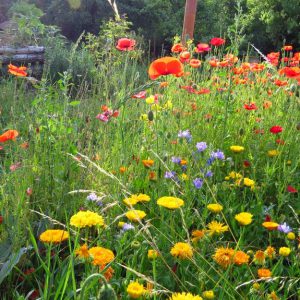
point(189, 20)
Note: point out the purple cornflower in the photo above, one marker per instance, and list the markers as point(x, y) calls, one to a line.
point(209, 174)
point(198, 182)
point(201, 146)
point(186, 134)
point(218, 155)
point(176, 160)
point(284, 228)
point(170, 174)
point(92, 197)
point(127, 226)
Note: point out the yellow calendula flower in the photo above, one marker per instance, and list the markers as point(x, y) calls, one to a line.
point(237, 149)
point(135, 215)
point(131, 201)
point(259, 257)
point(273, 153)
point(150, 100)
point(264, 273)
point(215, 207)
point(135, 290)
point(54, 236)
point(224, 256)
point(284, 251)
point(182, 251)
point(142, 197)
point(184, 296)
point(240, 258)
point(235, 175)
point(121, 224)
point(270, 225)
point(216, 228)
point(291, 236)
point(82, 251)
point(86, 219)
point(208, 294)
point(184, 177)
point(197, 235)
point(244, 218)
point(170, 202)
point(101, 256)
point(248, 182)
point(152, 254)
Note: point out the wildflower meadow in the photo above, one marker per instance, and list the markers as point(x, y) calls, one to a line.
point(175, 177)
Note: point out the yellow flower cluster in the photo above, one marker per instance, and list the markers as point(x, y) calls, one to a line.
point(134, 199)
point(237, 149)
point(244, 218)
point(54, 236)
point(215, 207)
point(86, 219)
point(135, 290)
point(182, 251)
point(184, 296)
point(216, 228)
point(170, 202)
point(135, 215)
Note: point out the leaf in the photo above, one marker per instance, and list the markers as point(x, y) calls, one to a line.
point(14, 258)
point(74, 103)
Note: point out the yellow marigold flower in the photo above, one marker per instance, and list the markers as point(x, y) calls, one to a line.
point(135, 290)
point(182, 250)
point(259, 257)
point(148, 163)
point(170, 202)
point(215, 207)
point(150, 100)
point(131, 201)
point(184, 176)
point(197, 235)
point(86, 219)
point(121, 224)
point(235, 175)
point(54, 236)
point(215, 227)
point(270, 252)
point(101, 256)
point(284, 251)
point(83, 251)
point(244, 218)
point(291, 236)
point(142, 198)
point(264, 273)
point(135, 215)
point(237, 149)
point(184, 296)
point(152, 254)
point(248, 182)
point(241, 258)
point(183, 162)
point(224, 256)
point(208, 294)
point(273, 153)
point(270, 225)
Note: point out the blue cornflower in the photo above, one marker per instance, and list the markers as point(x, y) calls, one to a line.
point(198, 182)
point(127, 226)
point(170, 174)
point(218, 155)
point(209, 174)
point(176, 160)
point(284, 228)
point(186, 134)
point(201, 146)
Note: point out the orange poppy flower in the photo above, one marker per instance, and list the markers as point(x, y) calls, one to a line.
point(288, 48)
point(177, 48)
point(184, 56)
point(195, 63)
point(165, 66)
point(202, 48)
point(279, 82)
point(293, 72)
point(125, 44)
point(17, 71)
point(8, 136)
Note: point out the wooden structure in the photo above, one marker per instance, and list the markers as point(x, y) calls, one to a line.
point(189, 20)
point(25, 55)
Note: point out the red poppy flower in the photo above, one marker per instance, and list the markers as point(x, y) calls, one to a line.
point(273, 58)
point(217, 41)
point(251, 106)
point(288, 48)
point(246, 164)
point(165, 66)
point(203, 91)
point(202, 48)
point(276, 129)
point(195, 63)
point(291, 189)
point(125, 44)
point(177, 48)
point(290, 72)
point(140, 95)
point(17, 71)
point(8, 136)
point(184, 56)
point(279, 82)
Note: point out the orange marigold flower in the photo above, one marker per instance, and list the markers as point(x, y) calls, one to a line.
point(224, 256)
point(241, 257)
point(101, 256)
point(108, 273)
point(165, 66)
point(148, 163)
point(182, 251)
point(259, 257)
point(264, 273)
point(270, 225)
point(83, 251)
point(197, 235)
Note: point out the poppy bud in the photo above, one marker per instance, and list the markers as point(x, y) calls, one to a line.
point(150, 115)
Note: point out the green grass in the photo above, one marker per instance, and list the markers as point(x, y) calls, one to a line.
point(71, 153)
